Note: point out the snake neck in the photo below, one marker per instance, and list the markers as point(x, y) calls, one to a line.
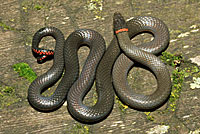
point(125, 42)
point(121, 31)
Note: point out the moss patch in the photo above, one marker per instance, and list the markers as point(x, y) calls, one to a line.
point(38, 6)
point(24, 70)
point(149, 116)
point(191, 70)
point(178, 76)
point(80, 129)
point(177, 80)
point(171, 59)
point(5, 27)
point(121, 106)
point(7, 96)
point(32, 5)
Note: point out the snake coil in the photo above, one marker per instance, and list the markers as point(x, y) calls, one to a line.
point(143, 54)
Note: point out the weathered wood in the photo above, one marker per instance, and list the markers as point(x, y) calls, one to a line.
point(20, 19)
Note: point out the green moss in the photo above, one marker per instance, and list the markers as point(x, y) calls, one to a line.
point(38, 6)
point(7, 96)
point(121, 106)
point(178, 76)
point(5, 27)
point(188, 71)
point(149, 116)
point(7, 90)
point(80, 129)
point(32, 5)
point(171, 59)
point(177, 80)
point(24, 70)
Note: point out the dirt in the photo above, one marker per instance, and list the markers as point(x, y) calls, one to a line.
point(20, 19)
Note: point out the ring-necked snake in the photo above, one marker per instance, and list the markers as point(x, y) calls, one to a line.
point(99, 66)
point(143, 54)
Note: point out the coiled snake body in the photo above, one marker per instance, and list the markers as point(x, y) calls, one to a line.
point(74, 88)
point(51, 76)
point(143, 54)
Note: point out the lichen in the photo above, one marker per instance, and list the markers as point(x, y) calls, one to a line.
point(159, 129)
point(96, 6)
point(196, 83)
point(183, 35)
point(195, 132)
point(196, 60)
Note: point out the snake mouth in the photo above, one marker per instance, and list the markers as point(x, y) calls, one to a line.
point(119, 23)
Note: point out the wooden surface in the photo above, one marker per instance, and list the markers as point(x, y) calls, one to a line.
point(25, 17)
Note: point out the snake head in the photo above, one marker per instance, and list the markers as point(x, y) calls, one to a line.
point(119, 23)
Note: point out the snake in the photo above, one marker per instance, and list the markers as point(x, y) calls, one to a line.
point(72, 85)
point(144, 54)
point(98, 66)
point(46, 80)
